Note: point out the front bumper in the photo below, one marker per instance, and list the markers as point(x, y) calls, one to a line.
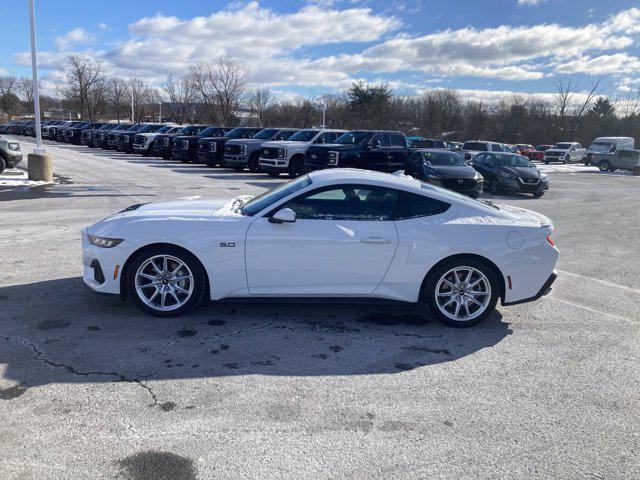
point(140, 148)
point(161, 151)
point(270, 165)
point(518, 185)
point(180, 154)
point(13, 158)
point(234, 161)
point(99, 265)
point(465, 187)
point(209, 157)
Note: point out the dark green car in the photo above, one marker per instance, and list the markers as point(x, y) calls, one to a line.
point(10, 154)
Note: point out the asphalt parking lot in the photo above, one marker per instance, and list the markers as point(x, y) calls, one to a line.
point(92, 388)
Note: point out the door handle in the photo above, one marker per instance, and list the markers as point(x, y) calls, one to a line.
point(375, 240)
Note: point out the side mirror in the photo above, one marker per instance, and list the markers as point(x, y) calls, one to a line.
point(286, 215)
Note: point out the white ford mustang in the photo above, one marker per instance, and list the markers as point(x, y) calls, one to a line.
point(332, 233)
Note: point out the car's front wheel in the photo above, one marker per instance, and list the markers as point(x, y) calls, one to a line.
point(604, 165)
point(461, 292)
point(165, 281)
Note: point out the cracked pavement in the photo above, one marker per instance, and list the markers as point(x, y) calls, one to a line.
point(92, 388)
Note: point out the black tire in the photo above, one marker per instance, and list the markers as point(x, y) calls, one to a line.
point(3, 165)
point(566, 159)
point(295, 167)
point(198, 273)
point(538, 194)
point(237, 169)
point(604, 165)
point(429, 290)
point(494, 187)
point(254, 163)
point(546, 162)
point(474, 195)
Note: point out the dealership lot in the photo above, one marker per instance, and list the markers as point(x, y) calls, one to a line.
point(92, 388)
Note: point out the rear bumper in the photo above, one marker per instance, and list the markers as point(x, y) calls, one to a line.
point(544, 290)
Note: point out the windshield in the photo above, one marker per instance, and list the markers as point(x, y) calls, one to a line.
point(443, 158)
point(212, 132)
point(476, 146)
point(600, 146)
point(240, 133)
point(543, 148)
point(512, 161)
point(303, 136)
point(266, 134)
point(269, 197)
point(174, 130)
point(563, 146)
point(106, 127)
point(135, 128)
point(354, 138)
point(147, 128)
point(164, 129)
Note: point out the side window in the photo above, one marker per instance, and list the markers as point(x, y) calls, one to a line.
point(283, 135)
point(326, 137)
point(396, 140)
point(488, 161)
point(345, 202)
point(380, 139)
point(479, 159)
point(411, 205)
point(494, 147)
point(625, 153)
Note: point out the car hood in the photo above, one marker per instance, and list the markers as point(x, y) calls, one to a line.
point(186, 137)
point(283, 144)
point(522, 171)
point(246, 141)
point(180, 210)
point(462, 171)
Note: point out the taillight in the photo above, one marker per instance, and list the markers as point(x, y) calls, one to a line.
point(550, 240)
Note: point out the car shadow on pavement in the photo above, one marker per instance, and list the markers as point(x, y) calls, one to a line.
point(57, 331)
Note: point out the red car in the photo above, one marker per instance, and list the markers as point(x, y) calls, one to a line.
point(537, 153)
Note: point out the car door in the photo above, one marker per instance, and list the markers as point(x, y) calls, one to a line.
point(398, 154)
point(625, 159)
point(376, 153)
point(341, 243)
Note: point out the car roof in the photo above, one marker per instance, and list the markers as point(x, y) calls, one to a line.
point(356, 175)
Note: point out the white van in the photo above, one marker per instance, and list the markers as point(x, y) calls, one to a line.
point(608, 145)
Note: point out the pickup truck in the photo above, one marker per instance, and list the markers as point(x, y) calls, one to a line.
point(211, 150)
point(565, 152)
point(288, 156)
point(10, 154)
point(623, 159)
point(381, 150)
point(242, 153)
point(143, 142)
point(471, 148)
point(185, 146)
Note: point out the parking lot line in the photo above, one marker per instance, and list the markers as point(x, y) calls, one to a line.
point(602, 282)
point(592, 310)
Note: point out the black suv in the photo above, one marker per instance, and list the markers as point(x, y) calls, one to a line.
point(510, 172)
point(163, 144)
point(211, 150)
point(184, 147)
point(125, 139)
point(380, 150)
point(61, 133)
point(100, 137)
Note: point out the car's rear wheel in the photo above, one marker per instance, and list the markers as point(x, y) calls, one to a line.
point(165, 281)
point(461, 292)
point(3, 165)
point(604, 165)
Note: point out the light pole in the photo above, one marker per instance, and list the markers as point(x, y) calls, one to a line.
point(39, 163)
point(34, 73)
point(132, 121)
point(323, 105)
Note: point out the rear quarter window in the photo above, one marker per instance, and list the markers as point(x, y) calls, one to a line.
point(411, 205)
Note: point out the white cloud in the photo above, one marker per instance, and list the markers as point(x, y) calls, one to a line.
point(601, 65)
point(77, 36)
point(102, 26)
point(528, 2)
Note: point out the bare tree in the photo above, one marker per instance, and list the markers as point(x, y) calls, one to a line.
point(25, 86)
point(180, 93)
point(141, 96)
point(258, 100)
point(220, 84)
point(81, 75)
point(118, 94)
point(8, 98)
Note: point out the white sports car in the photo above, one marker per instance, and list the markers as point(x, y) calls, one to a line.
point(332, 233)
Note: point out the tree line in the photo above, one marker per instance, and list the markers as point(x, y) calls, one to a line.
point(218, 92)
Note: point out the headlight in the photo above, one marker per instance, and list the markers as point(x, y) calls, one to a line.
point(243, 149)
point(333, 158)
point(14, 146)
point(478, 177)
point(282, 153)
point(104, 242)
point(507, 174)
point(213, 146)
point(543, 177)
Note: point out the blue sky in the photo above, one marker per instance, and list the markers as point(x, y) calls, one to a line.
point(485, 48)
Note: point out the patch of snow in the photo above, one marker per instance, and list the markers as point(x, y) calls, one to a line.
point(231, 208)
point(19, 178)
